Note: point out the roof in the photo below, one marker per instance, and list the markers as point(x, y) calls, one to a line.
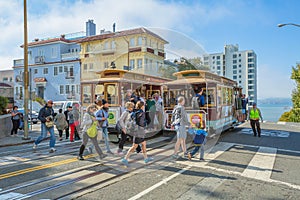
point(5, 85)
point(189, 81)
point(121, 34)
point(52, 40)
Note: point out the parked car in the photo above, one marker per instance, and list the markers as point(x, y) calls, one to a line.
point(63, 105)
point(33, 117)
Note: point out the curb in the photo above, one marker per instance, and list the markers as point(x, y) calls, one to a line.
point(20, 143)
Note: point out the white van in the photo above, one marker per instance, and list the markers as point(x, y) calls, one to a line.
point(63, 105)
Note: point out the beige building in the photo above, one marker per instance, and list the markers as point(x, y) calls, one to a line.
point(137, 50)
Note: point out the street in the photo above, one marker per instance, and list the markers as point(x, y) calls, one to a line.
point(237, 166)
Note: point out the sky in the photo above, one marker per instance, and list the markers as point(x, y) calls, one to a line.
point(192, 27)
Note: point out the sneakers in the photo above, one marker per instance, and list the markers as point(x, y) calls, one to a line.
point(202, 159)
point(52, 150)
point(120, 153)
point(175, 156)
point(186, 154)
point(34, 146)
point(148, 160)
point(189, 156)
point(80, 157)
point(124, 161)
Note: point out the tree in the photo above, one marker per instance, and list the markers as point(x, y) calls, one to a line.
point(3, 104)
point(191, 64)
point(294, 114)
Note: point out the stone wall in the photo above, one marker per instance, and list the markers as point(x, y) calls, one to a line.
point(5, 125)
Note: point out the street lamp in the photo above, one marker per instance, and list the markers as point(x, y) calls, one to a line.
point(291, 24)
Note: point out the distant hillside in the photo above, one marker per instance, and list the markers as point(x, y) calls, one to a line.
point(282, 101)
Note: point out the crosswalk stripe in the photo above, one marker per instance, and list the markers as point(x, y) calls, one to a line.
point(261, 165)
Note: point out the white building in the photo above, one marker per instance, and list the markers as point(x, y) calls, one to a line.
point(240, 66)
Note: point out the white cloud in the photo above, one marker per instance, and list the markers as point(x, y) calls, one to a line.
point(60, 17)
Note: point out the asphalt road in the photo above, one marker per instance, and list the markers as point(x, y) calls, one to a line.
point(237, 166)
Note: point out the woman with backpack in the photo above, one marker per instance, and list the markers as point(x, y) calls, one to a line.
point(179, 122)
point(122, 121)
point(139, 135)
point(87, 122)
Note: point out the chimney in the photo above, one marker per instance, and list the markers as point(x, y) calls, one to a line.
point(36, 39)
point(63, 36)
point(102, 31)
point(90, 28)
point(114, 27)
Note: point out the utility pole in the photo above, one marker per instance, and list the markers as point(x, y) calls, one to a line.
point(26, 77)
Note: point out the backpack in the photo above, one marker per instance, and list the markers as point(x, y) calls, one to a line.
point(131, 125)
point(195, 103)
point(176, 115)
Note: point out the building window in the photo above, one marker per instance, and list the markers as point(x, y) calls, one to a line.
point(106, 46)
point(234, 72)
point(54, 52)
point(250, 65)
point(251, 71)
point(73, 89)
point(239, 55)
point(234, 56)
point(5, 79)
point(218, 68)
point(67, 89)
point(65, 69)
point(55, 71)
point(131, 65)
point(87, 48)
point(240, 65)
point(29, 55)
point(218, 62)
point(78, 89)
point(250, 59)
point(113, 44)
point(213, 57)
point(150, 64)
point(240, 71)
point(132, 42)
point(140, 41)
point(60, 69)
point(250, 76)
point(240, 60)
point(234, 66)
point(85, 67)
point(250, 54)
point(106, 65)
point(139, 63)
point(146, 63)
point(250, 82)
point(46, 70)
point(234, 61)
point(218, 57)
point(61, 89)
point(234, 77)
point(206, 58)
point(240, 76)
point(240, 82)
point(71, 71)
point(91, 66)
point(41, 52)
point(36, 71)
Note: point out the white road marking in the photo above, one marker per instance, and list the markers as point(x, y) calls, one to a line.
point(139, 195)
point(270, 133)
point(203, 189)
point(12, 195)
point(261, 165)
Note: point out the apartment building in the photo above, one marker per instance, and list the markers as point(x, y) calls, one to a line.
point(240, 66)
point(54, 67)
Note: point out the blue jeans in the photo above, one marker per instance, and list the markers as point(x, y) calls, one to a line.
point(196, 149)
point(44, 130)
point(105, 135)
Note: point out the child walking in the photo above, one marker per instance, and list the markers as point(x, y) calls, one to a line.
point(199, 141)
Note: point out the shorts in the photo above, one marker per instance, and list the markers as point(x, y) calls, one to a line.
point(137, 140)
point(244, 111)
point(181, 132)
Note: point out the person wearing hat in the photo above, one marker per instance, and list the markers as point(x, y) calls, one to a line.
point(102, 116)
point(46, 115)
point(254, 116)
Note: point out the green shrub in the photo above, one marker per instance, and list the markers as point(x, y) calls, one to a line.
point(285, 117)
point(3, 103)
point(40, 100)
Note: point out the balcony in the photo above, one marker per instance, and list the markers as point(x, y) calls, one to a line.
point(18, 62)
point(39, 60)
point(104, 51)
point(70, 75)
point(70, 56)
